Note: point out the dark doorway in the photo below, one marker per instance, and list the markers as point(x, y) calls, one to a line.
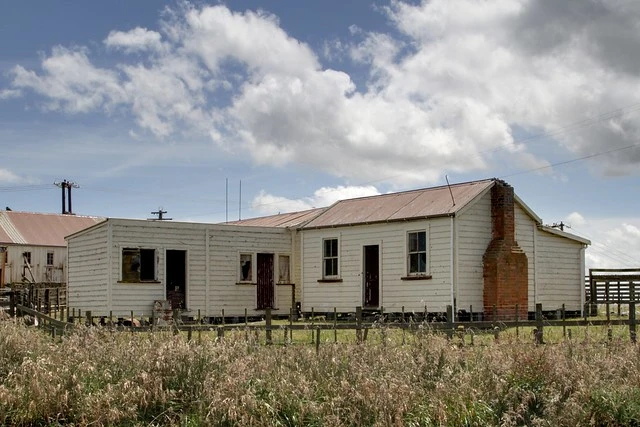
point(177, 278)
point(371, 276)
point(265, 281)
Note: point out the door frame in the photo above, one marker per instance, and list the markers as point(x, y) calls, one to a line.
point(186, 274)
point(365, 263)
point(272, 279)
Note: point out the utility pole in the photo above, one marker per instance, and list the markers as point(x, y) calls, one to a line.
point(66, 199)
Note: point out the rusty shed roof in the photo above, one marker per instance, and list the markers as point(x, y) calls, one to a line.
point(423, 203)
point(40, 229)
point(286, 220)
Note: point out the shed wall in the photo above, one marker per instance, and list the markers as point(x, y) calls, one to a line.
point(560, 279)
point(87, 286)
point(414, 295)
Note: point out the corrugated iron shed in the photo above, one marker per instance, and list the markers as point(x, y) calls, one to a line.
point(423, 203)
point(41, 229)
point(286, 220)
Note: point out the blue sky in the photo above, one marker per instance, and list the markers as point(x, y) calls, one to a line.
point(152, 104)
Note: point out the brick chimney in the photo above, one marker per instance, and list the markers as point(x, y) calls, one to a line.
point(506, 275)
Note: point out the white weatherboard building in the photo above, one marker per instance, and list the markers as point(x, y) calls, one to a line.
point(473, 244)
point(125, 265)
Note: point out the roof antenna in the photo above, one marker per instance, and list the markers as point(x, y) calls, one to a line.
point(450, 192)
point(159, 212)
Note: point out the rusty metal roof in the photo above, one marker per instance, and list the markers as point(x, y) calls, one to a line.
point(41, 229)
point(423, 203)
point(286, 220)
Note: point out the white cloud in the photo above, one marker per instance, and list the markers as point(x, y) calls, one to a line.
point(575, 219)
point(615, 242)
point(267, 204)
point(444, 97)
point(6, 176)
point(138, 39)
point(10, 93)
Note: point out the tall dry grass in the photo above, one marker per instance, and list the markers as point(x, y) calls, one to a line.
point(97, 377)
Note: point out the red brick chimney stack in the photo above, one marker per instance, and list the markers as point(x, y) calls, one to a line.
point(505, 264)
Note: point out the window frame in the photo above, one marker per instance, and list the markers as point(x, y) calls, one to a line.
point(50, 257)
point(286, 280)
point(253, 268)
point(331, 257)
point(418, 251)
point(143, 254)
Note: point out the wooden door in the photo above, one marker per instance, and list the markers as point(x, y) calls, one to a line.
point(176, 278)
point(265, 281)
point(371, 269)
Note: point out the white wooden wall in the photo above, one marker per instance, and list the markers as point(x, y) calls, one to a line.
point(559, 276)
point(87, 270)
point(435, 293)
point(15, 262)
point(212, 266)
point(473, 229)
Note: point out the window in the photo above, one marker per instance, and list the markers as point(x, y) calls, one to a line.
point(138, 265)
point(283, 269)
point(417, 253)
point(330, 258)
point(49, 258)
point(26, 256)
point(246, 267)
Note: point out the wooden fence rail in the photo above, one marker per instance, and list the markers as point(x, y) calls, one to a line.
point(59, 326)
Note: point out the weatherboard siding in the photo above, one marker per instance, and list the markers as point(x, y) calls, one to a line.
point(227, 242)
point(215, 267)
point(87, 271)
point(473, 237)
point(558, 280)
point(414, 295)
point(526, 229)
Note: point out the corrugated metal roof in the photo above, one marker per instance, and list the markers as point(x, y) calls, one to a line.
point(41, 229)
point(423, 203)
point(286, 220)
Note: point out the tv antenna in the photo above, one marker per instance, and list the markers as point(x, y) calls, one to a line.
point(160, 214)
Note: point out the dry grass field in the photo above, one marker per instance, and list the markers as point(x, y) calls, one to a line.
point(94, 376)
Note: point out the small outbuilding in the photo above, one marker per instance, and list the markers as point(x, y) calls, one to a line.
point(125, 265)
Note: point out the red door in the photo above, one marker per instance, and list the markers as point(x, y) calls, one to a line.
point(265, 282)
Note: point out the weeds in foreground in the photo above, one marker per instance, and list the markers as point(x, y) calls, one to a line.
point(96, 377)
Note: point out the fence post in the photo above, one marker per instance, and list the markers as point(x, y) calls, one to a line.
point(12, 302)
point(89, 317)
point(564, 319)
point(449, 322)
point(312, 322)
point(632, 313)
point(335, 324)
point(359, 324)
point(291, 312)
point(268, 325)
point(404, 326)
point(517, 320)
point(317, 339)
point(539, 325)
